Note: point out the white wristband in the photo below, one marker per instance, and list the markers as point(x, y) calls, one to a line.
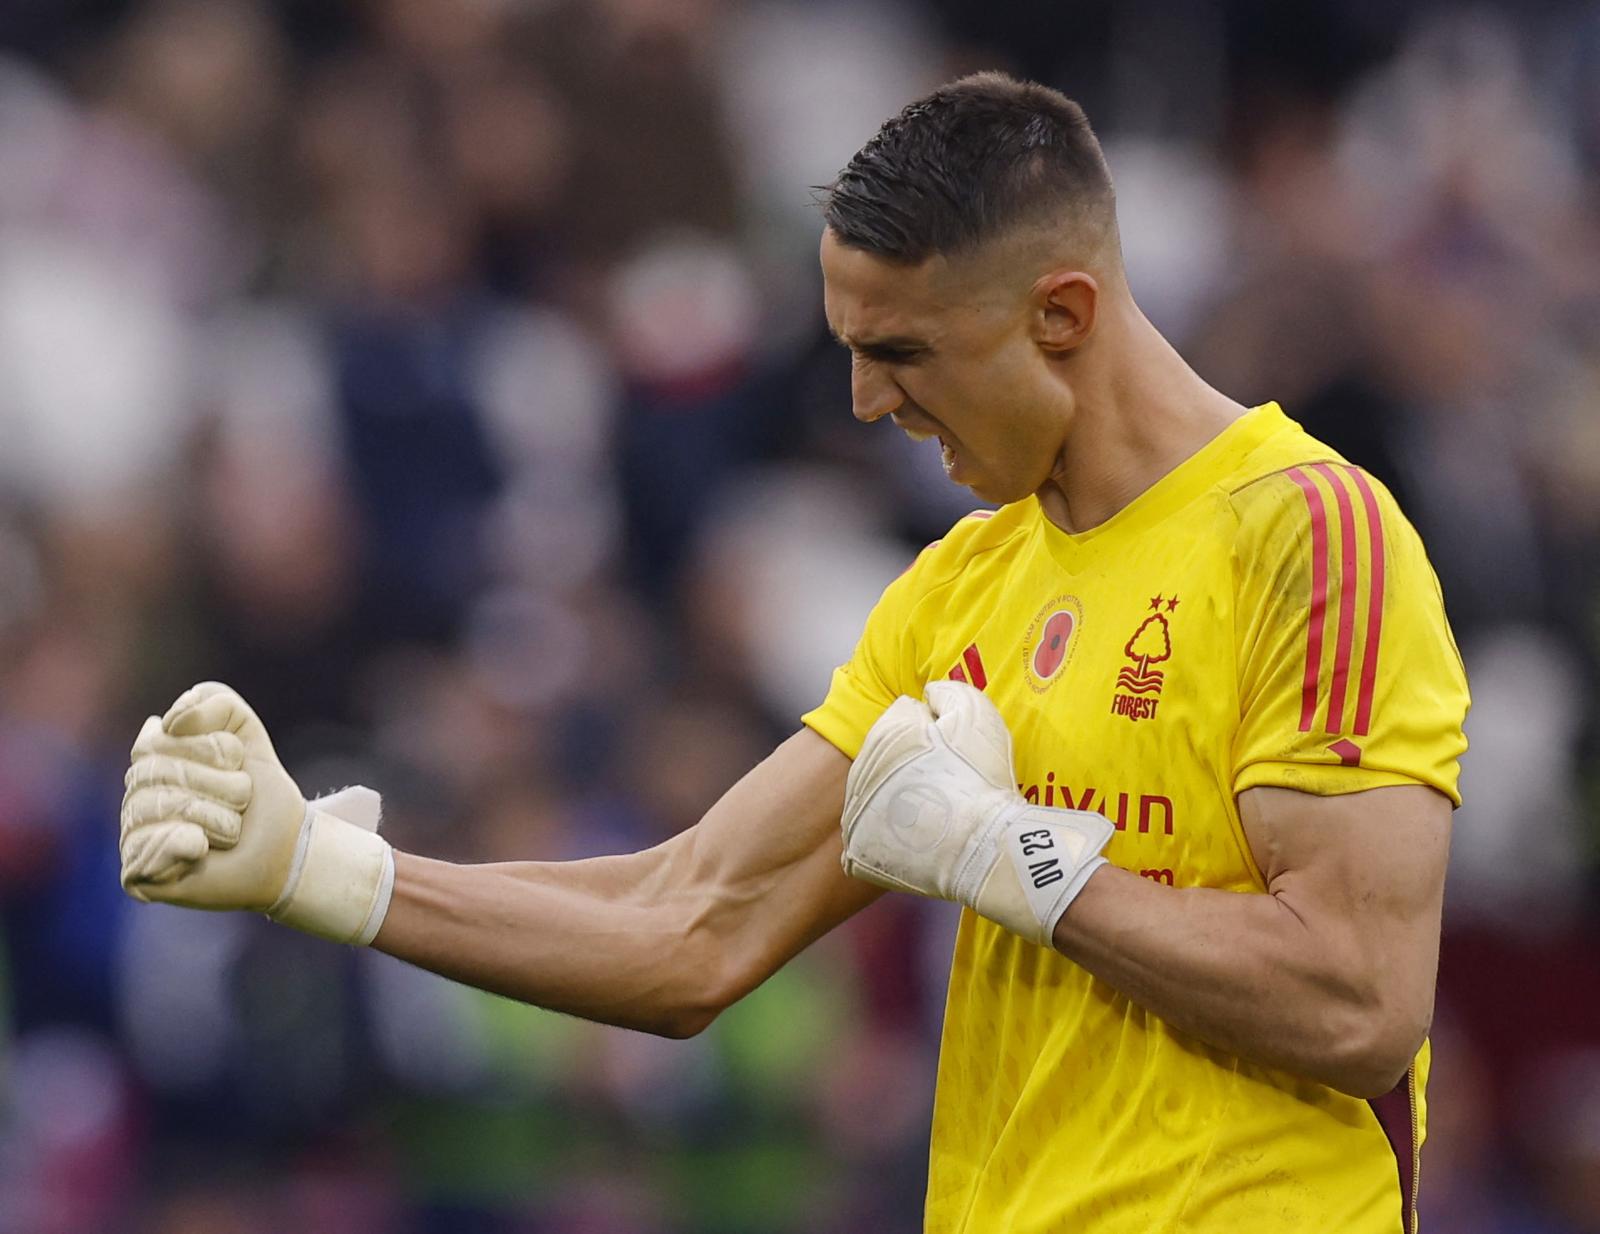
point(343, 873)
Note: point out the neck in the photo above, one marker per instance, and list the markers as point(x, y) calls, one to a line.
point(1140, 415)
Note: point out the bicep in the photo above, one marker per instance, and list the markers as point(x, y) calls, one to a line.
point(761, 869)
point(1364, 870)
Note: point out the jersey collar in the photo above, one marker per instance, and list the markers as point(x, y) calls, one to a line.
point(1202, 470)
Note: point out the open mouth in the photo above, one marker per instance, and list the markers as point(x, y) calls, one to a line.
point(916, 432)
point(920, 432)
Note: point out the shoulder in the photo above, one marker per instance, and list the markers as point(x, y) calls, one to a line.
point(1319, 507)
point(1293, 487)
point(981, 539)
point(1323, 548)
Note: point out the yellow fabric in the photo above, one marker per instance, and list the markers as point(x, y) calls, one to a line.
point(1176, 678)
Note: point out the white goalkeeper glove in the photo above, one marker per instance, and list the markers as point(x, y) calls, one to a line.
point(931, 807)
point(212, 820)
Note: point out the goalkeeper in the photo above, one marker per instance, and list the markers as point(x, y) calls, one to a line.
point(1179, 724)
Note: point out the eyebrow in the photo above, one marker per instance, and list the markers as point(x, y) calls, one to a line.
point(893, 345)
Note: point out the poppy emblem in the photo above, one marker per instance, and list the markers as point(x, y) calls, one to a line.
point(1047, 646)
point(1051, 653)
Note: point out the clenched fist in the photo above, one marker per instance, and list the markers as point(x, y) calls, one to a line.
point(931, 807)
point(212, 820)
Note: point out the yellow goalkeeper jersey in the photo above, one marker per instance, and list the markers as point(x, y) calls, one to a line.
point(1263, 615)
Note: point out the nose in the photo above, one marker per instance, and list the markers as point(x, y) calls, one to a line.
point(873, 393)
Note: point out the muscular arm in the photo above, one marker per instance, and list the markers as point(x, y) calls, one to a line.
point(1330, 975)
point(660, 940)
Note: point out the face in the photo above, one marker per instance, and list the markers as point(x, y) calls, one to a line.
point(951, 352)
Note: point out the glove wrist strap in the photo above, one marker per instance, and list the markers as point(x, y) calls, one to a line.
point(1051, 852)
point(341, 879)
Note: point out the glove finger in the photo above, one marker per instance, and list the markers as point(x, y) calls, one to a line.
point(197, 693)
point(161, 853)
point(906, 712)
point(147, 733)
point(220, 825)
point(898, 736)
point(221, 750)
point(973, 727)
point(212, 707)
point(230, 788)
point(160, 803)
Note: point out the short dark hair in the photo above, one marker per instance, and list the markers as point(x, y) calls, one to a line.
point(974, 159)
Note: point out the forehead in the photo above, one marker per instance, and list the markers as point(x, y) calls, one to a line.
point(862, 294)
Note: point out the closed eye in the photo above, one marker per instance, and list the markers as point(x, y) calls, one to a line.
point(886, 352)
point(888, 355)
point(892, 355)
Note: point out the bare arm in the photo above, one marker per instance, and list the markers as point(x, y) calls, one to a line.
point(1331, 975)
point(661, 940)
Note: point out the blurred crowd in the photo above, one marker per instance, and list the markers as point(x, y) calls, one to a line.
point(451, 378)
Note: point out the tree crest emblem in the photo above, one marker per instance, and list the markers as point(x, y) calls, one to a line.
point(1151, 644)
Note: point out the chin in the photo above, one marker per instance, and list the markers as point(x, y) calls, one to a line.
point(995, 494)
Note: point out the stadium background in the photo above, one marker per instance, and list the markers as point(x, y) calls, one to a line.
point(451, 378)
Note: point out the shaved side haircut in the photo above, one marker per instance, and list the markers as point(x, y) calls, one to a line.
point(977, 158)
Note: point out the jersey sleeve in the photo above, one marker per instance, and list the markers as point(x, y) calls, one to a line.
point(1349, 677)
point(884, 666)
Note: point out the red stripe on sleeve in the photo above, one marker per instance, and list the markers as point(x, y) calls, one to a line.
point(956, 674)
point(1319, 595)
point(1345, 649)
point(975, 666)
point(1369, 655)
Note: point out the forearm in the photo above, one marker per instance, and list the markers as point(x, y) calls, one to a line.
point(660, 940)
point(1244, 973)
point(602, 939)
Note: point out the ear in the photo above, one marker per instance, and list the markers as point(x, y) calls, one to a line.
point(1065, 302)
